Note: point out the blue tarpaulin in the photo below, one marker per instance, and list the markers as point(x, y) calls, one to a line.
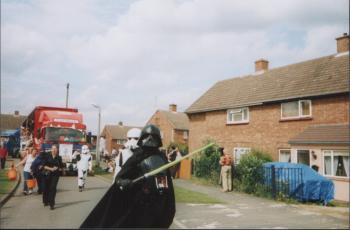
point(304, 184)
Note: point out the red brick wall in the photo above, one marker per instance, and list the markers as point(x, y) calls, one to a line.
point(265, 130)
point(179, 137)
point(109, 143)
point(165, 127)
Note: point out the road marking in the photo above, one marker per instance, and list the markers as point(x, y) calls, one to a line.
point(182, 226)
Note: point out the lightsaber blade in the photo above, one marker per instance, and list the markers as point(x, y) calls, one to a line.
point(166, 166)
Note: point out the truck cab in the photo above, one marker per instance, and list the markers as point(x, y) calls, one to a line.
point(61, 126)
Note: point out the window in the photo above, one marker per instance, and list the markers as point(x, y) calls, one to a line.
point(240, 115)
point(63, 134)
point(238, 152)
point(336, 163)
point(185, 135)
point(120, 141)
point(296, 109)
point(284, 155)
point(303, 157)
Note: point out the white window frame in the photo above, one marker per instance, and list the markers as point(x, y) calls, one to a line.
point(279, 154)
point(332, 159)
point(299, 110)
point(121, 141)
point(185, 135)
point(245, 149)
point(297, 158)
point(237, 122)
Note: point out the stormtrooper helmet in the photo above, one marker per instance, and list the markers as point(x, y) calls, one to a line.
point(133, 136)
point(85, 149)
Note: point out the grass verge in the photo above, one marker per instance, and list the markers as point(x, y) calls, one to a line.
point(181, 195)
point(187, 196)
point(5, 184)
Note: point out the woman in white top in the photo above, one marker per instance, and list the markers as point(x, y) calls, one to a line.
point(27, 172)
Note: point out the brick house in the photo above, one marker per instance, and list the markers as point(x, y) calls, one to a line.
point(272, 108)
point(173, 125)
point(115, 135)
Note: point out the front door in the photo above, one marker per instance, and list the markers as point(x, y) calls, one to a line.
point(304, 157)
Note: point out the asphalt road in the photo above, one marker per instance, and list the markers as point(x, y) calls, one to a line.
point(236, 210)
point(71, 208)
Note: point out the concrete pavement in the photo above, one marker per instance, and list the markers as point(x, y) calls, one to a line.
point(240, 210)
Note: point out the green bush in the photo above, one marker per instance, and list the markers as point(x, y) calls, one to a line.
point(249, 172)
point(206, 163)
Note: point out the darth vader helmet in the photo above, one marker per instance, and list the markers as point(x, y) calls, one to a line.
point(150, 137)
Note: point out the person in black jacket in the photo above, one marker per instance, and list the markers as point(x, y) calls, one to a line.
point(52, 165)
point(148, 203)
point(37, 167)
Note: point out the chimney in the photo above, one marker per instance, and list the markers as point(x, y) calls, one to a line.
point(343, 43)
point(172, 107)
point(120, 123)
point(261, 65)
point(16, 113)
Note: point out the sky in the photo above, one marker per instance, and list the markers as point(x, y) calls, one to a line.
point(134, 57)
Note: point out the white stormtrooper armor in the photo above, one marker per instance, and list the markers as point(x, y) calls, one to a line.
point(133, 136)
point(83, 164)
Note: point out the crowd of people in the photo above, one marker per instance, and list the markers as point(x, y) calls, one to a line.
point(45, 168)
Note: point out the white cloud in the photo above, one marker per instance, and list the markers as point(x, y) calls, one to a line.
point(132, 57)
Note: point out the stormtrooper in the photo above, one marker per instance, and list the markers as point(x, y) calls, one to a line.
point(131, 144)
point(83, 165)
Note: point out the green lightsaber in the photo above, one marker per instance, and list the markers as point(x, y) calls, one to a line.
point(166, 166)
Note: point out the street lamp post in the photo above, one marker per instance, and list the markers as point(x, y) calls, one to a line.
point(98, 135)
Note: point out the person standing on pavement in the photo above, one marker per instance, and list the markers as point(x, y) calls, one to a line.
point(226, 170)
point(52, 166)
point(27, 172)
point(37, 169)
point(83, 162)
point(3, 155)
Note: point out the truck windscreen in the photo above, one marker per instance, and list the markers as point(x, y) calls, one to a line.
point(63, 134)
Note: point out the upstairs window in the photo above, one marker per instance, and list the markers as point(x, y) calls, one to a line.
point(296, 109)
point(240, 115)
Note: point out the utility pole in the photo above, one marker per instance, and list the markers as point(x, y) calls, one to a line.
point(67, 95)
point(98, 135)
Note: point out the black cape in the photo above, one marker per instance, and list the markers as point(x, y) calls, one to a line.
point(133, 208)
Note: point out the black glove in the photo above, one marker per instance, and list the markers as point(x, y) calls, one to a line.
point(124, 184)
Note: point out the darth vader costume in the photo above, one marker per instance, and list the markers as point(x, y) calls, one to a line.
point(148, 203)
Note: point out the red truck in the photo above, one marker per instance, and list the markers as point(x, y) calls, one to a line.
point(55, 125)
